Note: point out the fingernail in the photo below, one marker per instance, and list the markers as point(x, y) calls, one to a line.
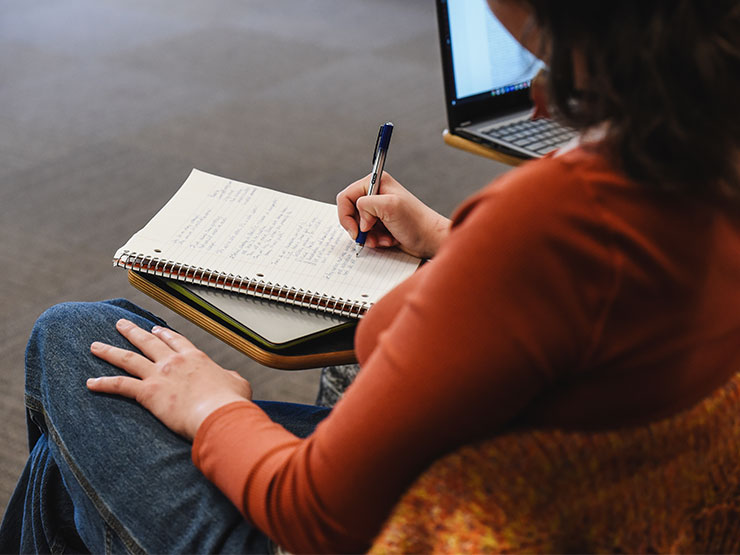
point(124, 324)
point(159, 330)
point(96, 346)
point(92, 381)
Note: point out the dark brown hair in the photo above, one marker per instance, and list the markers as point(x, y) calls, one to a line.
point(664, 75)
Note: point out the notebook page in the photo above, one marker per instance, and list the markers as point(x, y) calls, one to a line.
point(256, 233)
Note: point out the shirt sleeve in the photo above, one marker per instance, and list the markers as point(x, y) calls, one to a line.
point(454, 355)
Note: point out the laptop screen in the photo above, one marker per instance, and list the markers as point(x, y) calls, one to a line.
point(485, 69)
point(486, 59)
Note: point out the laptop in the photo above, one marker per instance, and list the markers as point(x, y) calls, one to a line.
point(487, 77)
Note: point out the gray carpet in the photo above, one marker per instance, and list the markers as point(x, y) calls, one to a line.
point(106, 106)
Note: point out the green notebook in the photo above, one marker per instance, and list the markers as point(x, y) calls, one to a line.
point(275, 327)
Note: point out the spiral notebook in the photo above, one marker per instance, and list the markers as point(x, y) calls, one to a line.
point(221, 233)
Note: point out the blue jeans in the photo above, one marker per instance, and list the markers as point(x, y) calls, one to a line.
point(104, 475)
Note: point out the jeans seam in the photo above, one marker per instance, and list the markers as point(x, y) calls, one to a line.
point(34, 404)
point(108, 539)
point(58, 546)
point(111, 523)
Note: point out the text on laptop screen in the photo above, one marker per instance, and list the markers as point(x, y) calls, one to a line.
point(485, 57)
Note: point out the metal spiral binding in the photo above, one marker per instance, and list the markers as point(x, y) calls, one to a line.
point(210, 273)
point(256, 287)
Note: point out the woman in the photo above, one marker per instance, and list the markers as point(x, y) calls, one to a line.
point(592, 289)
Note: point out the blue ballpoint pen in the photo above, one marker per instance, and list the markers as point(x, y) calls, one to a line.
point(379, 154)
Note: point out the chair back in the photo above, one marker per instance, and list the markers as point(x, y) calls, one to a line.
point(670, 486)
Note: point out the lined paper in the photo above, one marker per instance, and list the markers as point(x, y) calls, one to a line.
point(256, 233)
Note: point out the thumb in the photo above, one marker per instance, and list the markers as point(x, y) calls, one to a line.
point(367, 221)
point(386, 208)
point(367, 208)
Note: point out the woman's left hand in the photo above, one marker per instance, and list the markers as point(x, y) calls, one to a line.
point(174, 380)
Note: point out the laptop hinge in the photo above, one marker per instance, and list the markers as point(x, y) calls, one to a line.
point(465, 123)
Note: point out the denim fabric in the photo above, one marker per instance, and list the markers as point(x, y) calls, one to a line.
point(104, 474)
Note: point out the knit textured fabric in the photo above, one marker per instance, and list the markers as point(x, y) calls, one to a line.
point(334, 382)
point(670, 486)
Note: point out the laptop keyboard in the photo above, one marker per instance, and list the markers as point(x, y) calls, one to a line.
point(539, 135)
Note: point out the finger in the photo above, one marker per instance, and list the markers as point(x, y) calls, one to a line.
point(386, 240)
point(349, 223)
point(346, 210)
point(349, 195)
point(373, 240)
point(385, 208)
point(351, 216)
point(147, 343)
point(172, 339)
point(131, 362)
point(367, 221)
point(538, 95)
point(367, 212)
point(358, 188)
point(388, 184)
point(116, 385)
point(379, 236)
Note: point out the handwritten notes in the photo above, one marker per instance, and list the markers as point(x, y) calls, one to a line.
point(257, 233)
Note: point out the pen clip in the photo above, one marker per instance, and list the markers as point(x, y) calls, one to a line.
point(377, 142)
point(384, 138)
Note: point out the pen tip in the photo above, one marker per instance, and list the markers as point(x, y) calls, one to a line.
point(358, 249)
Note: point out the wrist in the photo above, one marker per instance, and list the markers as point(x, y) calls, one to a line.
point(206, 408)
point(437, 235)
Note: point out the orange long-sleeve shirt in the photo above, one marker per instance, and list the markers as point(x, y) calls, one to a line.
point(565, 295)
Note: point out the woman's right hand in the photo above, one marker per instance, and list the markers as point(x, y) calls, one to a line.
point(393, 217)
point(538, 95)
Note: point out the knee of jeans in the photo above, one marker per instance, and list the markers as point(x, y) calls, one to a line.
point(77, 318)
point(58, 328)
point(65, 331)
point(65, 319)
point(58, 354)
point(135, 311)
point(51, 320)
